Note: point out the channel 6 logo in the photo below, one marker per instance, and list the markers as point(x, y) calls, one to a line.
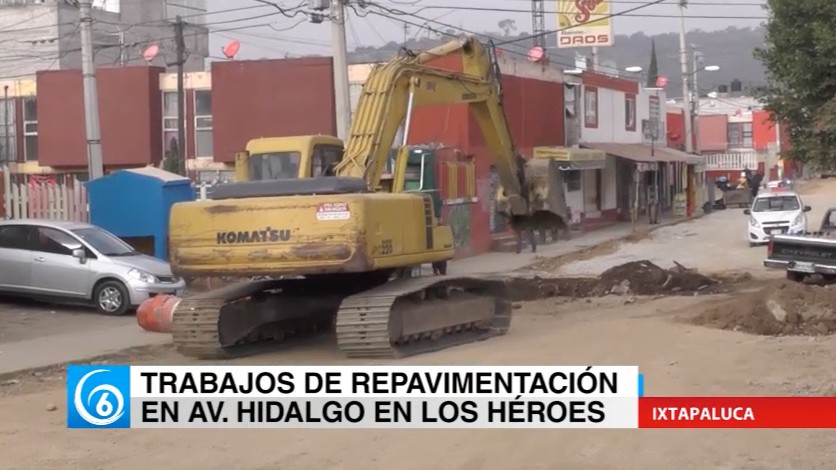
point(98, 396)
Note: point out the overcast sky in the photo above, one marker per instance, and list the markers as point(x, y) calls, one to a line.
point(271, 35)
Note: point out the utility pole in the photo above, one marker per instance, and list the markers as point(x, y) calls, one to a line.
point(697, 66)
point(180, 45)
point(123, 60)
point(686, 95)
point(7, 144)
point(340, 52)
point(538, 24)
point(95, 165)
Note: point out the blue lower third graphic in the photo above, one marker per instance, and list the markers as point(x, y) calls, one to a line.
point(98, 397)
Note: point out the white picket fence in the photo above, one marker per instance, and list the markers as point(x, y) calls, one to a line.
point(55, 197)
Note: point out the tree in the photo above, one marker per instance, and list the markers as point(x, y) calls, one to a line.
point(172, 157)
point(653, 68)
point(799, 54)
point(507, 26)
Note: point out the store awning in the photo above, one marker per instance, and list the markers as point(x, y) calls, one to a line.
point(573, 158)
point(644, 153)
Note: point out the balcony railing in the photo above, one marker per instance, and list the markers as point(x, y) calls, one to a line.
point(731, 161)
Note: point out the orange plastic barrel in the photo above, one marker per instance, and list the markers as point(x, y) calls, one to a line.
point(155, 314)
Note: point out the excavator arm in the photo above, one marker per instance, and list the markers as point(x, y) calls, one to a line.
point(394, 89)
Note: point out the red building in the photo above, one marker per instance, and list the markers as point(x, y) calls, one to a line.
point(734, 139)
point(241, 100)
point(533, 101)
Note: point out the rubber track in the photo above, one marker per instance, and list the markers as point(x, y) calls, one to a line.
point(195, 320)
point(363, 319)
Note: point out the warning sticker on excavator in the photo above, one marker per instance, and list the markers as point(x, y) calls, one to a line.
point(333, 211)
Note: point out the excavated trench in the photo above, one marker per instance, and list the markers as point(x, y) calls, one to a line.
point(637, 278)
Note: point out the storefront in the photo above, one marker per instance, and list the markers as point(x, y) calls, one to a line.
point(589, 187)
point(649, 174)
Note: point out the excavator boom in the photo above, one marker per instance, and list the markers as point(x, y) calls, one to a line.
point(394, 89)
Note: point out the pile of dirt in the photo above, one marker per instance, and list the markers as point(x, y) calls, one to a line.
point(646, 278)
point(639, 278)
point(778, 308)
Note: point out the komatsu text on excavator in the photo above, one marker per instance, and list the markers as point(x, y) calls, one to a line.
point(343, 238)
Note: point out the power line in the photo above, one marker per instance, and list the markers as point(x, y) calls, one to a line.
point(399, 19)
point(604, 15)
point(625, 2)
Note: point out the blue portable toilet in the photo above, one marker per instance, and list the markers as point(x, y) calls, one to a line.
point(135, 205)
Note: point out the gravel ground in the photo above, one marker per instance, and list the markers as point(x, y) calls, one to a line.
point(715, 243)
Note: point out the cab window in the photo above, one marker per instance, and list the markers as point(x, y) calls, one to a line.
point(274, 166)
point(15, 237)
point(49, 240)
point(831, 219)
point(325, 157)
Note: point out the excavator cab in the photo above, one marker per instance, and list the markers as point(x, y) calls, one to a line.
point(420, 174)
point(276, 158)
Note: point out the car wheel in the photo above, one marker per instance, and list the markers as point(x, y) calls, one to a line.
point(111, 298)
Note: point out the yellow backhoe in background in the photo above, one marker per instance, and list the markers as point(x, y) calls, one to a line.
point(351, 239)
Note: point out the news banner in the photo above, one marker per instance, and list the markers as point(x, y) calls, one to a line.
point(389, 397)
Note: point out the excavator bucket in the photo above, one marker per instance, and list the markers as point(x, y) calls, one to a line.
point(547, 189)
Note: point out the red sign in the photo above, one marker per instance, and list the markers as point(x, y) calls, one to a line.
point(585, 9)
point(585, 40)
point(333, 211)
point(536, 54)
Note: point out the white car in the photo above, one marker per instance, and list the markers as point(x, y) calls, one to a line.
point(774, 213)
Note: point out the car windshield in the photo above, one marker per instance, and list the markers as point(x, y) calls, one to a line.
point(105, 242)
point(776, 204)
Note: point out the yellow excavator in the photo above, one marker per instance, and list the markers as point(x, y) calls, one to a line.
point(345, 240)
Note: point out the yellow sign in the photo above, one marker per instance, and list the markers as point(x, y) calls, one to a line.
point(564, 154)
point(584, 23)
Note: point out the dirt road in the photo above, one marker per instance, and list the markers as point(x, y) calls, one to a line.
point(677, 356)
point(678, 359)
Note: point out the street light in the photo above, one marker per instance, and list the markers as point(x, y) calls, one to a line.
point(696, 108)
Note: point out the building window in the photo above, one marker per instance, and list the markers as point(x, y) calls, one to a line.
point(573, 180)
point(740, 135)
point(170, 109)
point(8, 143)
point(30, 129)
point(630, 112)
point(747, 135)
point(590, 107)
point(203, 123)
